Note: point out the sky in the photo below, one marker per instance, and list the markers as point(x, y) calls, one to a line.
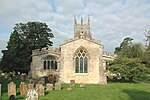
point(111, 20)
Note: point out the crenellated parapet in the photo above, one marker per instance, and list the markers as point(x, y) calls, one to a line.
point(108, 56)
point(45, 50)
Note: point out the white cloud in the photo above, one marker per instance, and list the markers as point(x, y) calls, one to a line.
point(111, 20)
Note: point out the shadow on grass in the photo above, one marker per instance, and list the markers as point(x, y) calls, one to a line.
point(119, 81)
point(137, 95)
point(20, 98)
point(46, 92)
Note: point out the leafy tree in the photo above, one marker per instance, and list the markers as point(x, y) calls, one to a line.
point(128, 68)
point(25, 38)
point(129, 49)
point(146, 57)
point(124, 46)
point(128, 62)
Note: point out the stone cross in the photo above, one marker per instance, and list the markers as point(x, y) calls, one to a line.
point(49, 86)
point(0, 93)
point(11, 89)
point(57, 86)
point(40, 89)
point(23, 89)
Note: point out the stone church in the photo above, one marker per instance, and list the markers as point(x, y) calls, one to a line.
point(81, 59)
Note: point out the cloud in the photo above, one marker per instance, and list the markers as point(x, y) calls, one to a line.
point(111, 20)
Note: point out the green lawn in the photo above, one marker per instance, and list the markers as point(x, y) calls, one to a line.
point(110, 91)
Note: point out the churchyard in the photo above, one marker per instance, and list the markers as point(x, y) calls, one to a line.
point(18, 86)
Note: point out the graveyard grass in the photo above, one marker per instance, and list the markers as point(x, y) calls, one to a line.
point(110, 91)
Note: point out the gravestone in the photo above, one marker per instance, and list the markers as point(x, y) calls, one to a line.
point(82, 85)
point(72, 83)
point(11, 89)
point(30, 86)
point(0, 93)
point(49, 86)
point(57, 86)
point(40, 89)
point(23, 89)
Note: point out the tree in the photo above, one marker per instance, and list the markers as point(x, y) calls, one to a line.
point(128, 62)
point(124, 46)
point(146, 57)
point(129, 49)
point(25, 38)
point(128, 68)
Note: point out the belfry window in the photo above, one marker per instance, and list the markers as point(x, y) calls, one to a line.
point(81, 61)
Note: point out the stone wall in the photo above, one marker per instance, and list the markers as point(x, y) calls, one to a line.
point(96, 73)
point(38, 56)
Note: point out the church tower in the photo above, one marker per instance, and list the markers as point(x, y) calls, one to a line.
point(82, 30)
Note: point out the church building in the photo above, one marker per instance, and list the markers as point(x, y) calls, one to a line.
point(81, 59)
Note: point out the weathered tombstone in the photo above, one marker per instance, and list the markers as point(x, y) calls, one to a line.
point(0, 92)
point(31, 95)
point(72, 83)
point(23, 89)
point(11, 89)
point(49, 86)
point(40, 89)
point(30, 86)
point(57, 86)
point(82, 85)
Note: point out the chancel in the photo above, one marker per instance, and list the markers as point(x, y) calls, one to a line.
point(81, 59)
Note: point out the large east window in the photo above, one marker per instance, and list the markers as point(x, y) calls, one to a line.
point(81, 61)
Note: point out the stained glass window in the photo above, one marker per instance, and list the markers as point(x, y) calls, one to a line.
point(81, 61)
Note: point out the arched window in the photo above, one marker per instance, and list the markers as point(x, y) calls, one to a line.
point(81, 61)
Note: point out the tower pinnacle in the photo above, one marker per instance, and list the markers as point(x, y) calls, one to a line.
point(75, 21)
point(82, 30)
point(81, 21)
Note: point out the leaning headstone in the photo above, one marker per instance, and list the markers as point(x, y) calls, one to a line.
point(23, 89)
point(40, 89)
point(49, 86)
point(0, 92)
point(31, 95)
point(11, 89)
point(57, 86)
point(30, 86)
